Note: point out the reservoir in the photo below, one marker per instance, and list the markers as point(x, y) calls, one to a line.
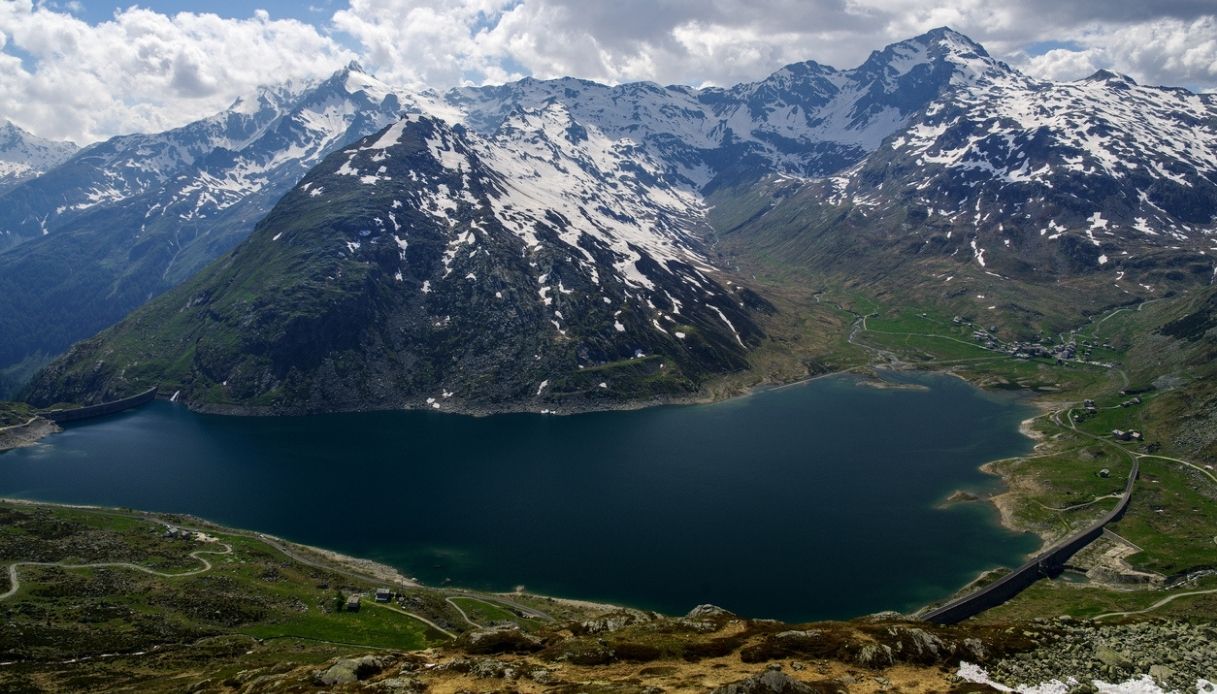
point(819, 500)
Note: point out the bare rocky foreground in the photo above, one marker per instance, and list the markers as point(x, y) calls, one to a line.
point(713, 651)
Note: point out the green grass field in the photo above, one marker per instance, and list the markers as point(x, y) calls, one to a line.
point(487, 613)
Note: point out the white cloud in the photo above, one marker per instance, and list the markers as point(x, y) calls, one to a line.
point(427, 42)
point(143, 70)
point(692, 41)
point(1166, 51)
point(147, 71)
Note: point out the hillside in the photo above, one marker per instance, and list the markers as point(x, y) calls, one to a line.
point(188, 605)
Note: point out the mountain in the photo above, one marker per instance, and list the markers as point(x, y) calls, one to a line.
point(124, 167)
point(24, 156)
point(932, 169)
point(548, 267)
point(1100, 182)
point(128, 218)
point(805, 119)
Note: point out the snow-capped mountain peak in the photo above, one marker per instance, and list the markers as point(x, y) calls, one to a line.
point(24, 156)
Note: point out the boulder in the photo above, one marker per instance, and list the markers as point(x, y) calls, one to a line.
point(769, 682)
point(709, 612)
point(403, 685)
point(349, 670)
point(1111, 657)
point(875, 656)
point(1161, 673)
point(502, 639)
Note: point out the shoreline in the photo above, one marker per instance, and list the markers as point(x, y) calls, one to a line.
point(367, 569)
point(27, 434)
point(460, 407)
point(1003, 502)
point(371, 569)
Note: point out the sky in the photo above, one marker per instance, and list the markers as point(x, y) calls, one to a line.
point(86, 70)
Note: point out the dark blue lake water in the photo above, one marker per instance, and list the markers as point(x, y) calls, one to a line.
point(813, 501)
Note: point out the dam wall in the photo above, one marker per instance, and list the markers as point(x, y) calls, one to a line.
point(99, 410)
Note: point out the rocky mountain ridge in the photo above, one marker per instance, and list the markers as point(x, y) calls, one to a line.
point(24, 156)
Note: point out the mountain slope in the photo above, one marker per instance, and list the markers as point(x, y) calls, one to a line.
point(553, 267)
point(1101, 185)
point(24, 156)
point(141, 213)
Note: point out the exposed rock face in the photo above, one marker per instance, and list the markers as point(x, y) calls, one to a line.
point(1174, 654)
point(350, 670)
point(615, 621)
point(505, 639)
point(708, 611)
point(771, 681)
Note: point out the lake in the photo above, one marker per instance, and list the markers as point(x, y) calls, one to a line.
point(819, 500)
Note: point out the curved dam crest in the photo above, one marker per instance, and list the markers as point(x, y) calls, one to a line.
point(820, 500)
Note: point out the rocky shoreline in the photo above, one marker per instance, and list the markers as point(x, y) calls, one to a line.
point(27, 434)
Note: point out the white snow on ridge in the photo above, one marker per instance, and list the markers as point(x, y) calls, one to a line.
point(592, 182)
point(1140, 684)
point(1114, 128)
point(24, 155)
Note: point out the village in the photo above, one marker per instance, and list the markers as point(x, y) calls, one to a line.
point(1067, 350)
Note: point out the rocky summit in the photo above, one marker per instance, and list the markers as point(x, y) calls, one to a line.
point(24, 156)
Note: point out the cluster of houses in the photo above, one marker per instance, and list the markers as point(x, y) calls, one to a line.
point(173, 533)
point(1118, 434)
point(1045, 347)
point(1028, 349)
point(381, 595)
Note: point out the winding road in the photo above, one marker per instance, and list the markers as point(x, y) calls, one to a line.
point(464, 615)
point(526, 612)
point(1137, 457)
point(15, 584)
point(1164, 601)
point(424, 620)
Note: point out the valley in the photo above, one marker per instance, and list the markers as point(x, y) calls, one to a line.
point(829, 344)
